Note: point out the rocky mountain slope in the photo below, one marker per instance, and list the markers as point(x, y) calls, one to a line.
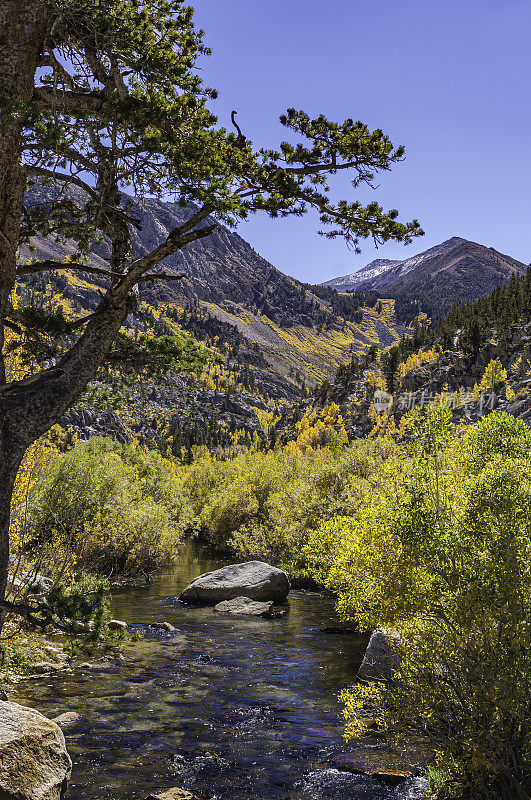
point(474, 361)
point(382, 272)
point(271, 338)
point(455, 271)
point(296, 330)
point(274, 337)
point(220, 267)
point(453, 378)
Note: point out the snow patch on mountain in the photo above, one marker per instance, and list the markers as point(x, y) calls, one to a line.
point(383, 271)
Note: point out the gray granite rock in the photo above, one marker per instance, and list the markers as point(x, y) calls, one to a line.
point(253, 579)
point(34, 763)
point(245, 606)
point(171, 794)
point(379, 661)
point(67, 720)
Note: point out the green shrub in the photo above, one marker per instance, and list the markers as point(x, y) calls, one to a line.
point(115, 507)
point(264, 505)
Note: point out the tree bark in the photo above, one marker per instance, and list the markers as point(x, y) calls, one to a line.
point(26, 414)
point(23, 27)
point(10, 458)
point(29, 411)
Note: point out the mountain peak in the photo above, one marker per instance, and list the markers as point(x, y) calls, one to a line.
point(453, 241)
point(455, 270)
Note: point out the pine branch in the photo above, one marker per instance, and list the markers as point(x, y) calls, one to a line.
point(76, 104)
point(31, 382)
point(60, 176)
point(49, 265)
point(176, 240)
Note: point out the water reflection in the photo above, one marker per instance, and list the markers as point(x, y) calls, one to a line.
point(227, 708)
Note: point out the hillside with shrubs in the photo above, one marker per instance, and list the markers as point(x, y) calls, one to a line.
point(476, 360)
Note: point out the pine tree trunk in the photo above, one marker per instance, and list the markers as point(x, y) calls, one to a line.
point(29, 408)
point(23, 26)
point(10, 458)
point(27, 413)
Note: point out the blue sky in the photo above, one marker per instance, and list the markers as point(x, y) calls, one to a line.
point(449, 80)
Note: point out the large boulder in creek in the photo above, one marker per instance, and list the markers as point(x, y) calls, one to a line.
point(254, 579)
point(379, 662)
point(34, 762)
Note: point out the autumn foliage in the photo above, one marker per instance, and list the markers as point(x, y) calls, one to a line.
point(438, 553)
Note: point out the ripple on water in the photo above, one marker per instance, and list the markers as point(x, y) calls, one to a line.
point(332, 784)
point(413, 789)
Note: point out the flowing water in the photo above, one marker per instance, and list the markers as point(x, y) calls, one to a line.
point(228, 708)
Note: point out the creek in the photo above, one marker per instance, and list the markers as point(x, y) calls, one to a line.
point(228, 708)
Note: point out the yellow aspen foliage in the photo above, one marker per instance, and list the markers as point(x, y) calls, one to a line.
point(373, 415)
point(34, 463)
point(407, 423)
point(332, 415)
point(417, 360)
point(268, 419)
point(376, 380)
point(517, 365)
point(494, 375)
point(383, 424)
point(14, 361)
point(317, 430)
point(54, 557)
point(438, 557)
point(390, 427)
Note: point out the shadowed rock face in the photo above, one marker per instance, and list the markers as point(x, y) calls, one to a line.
point(254, 579)
point(222, 268)
point(34, 763)
point(379, 662)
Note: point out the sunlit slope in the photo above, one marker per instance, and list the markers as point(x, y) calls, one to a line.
point(301, 333)
point(314, 353)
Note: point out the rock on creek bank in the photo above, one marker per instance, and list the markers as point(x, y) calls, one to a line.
point(34, 762)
